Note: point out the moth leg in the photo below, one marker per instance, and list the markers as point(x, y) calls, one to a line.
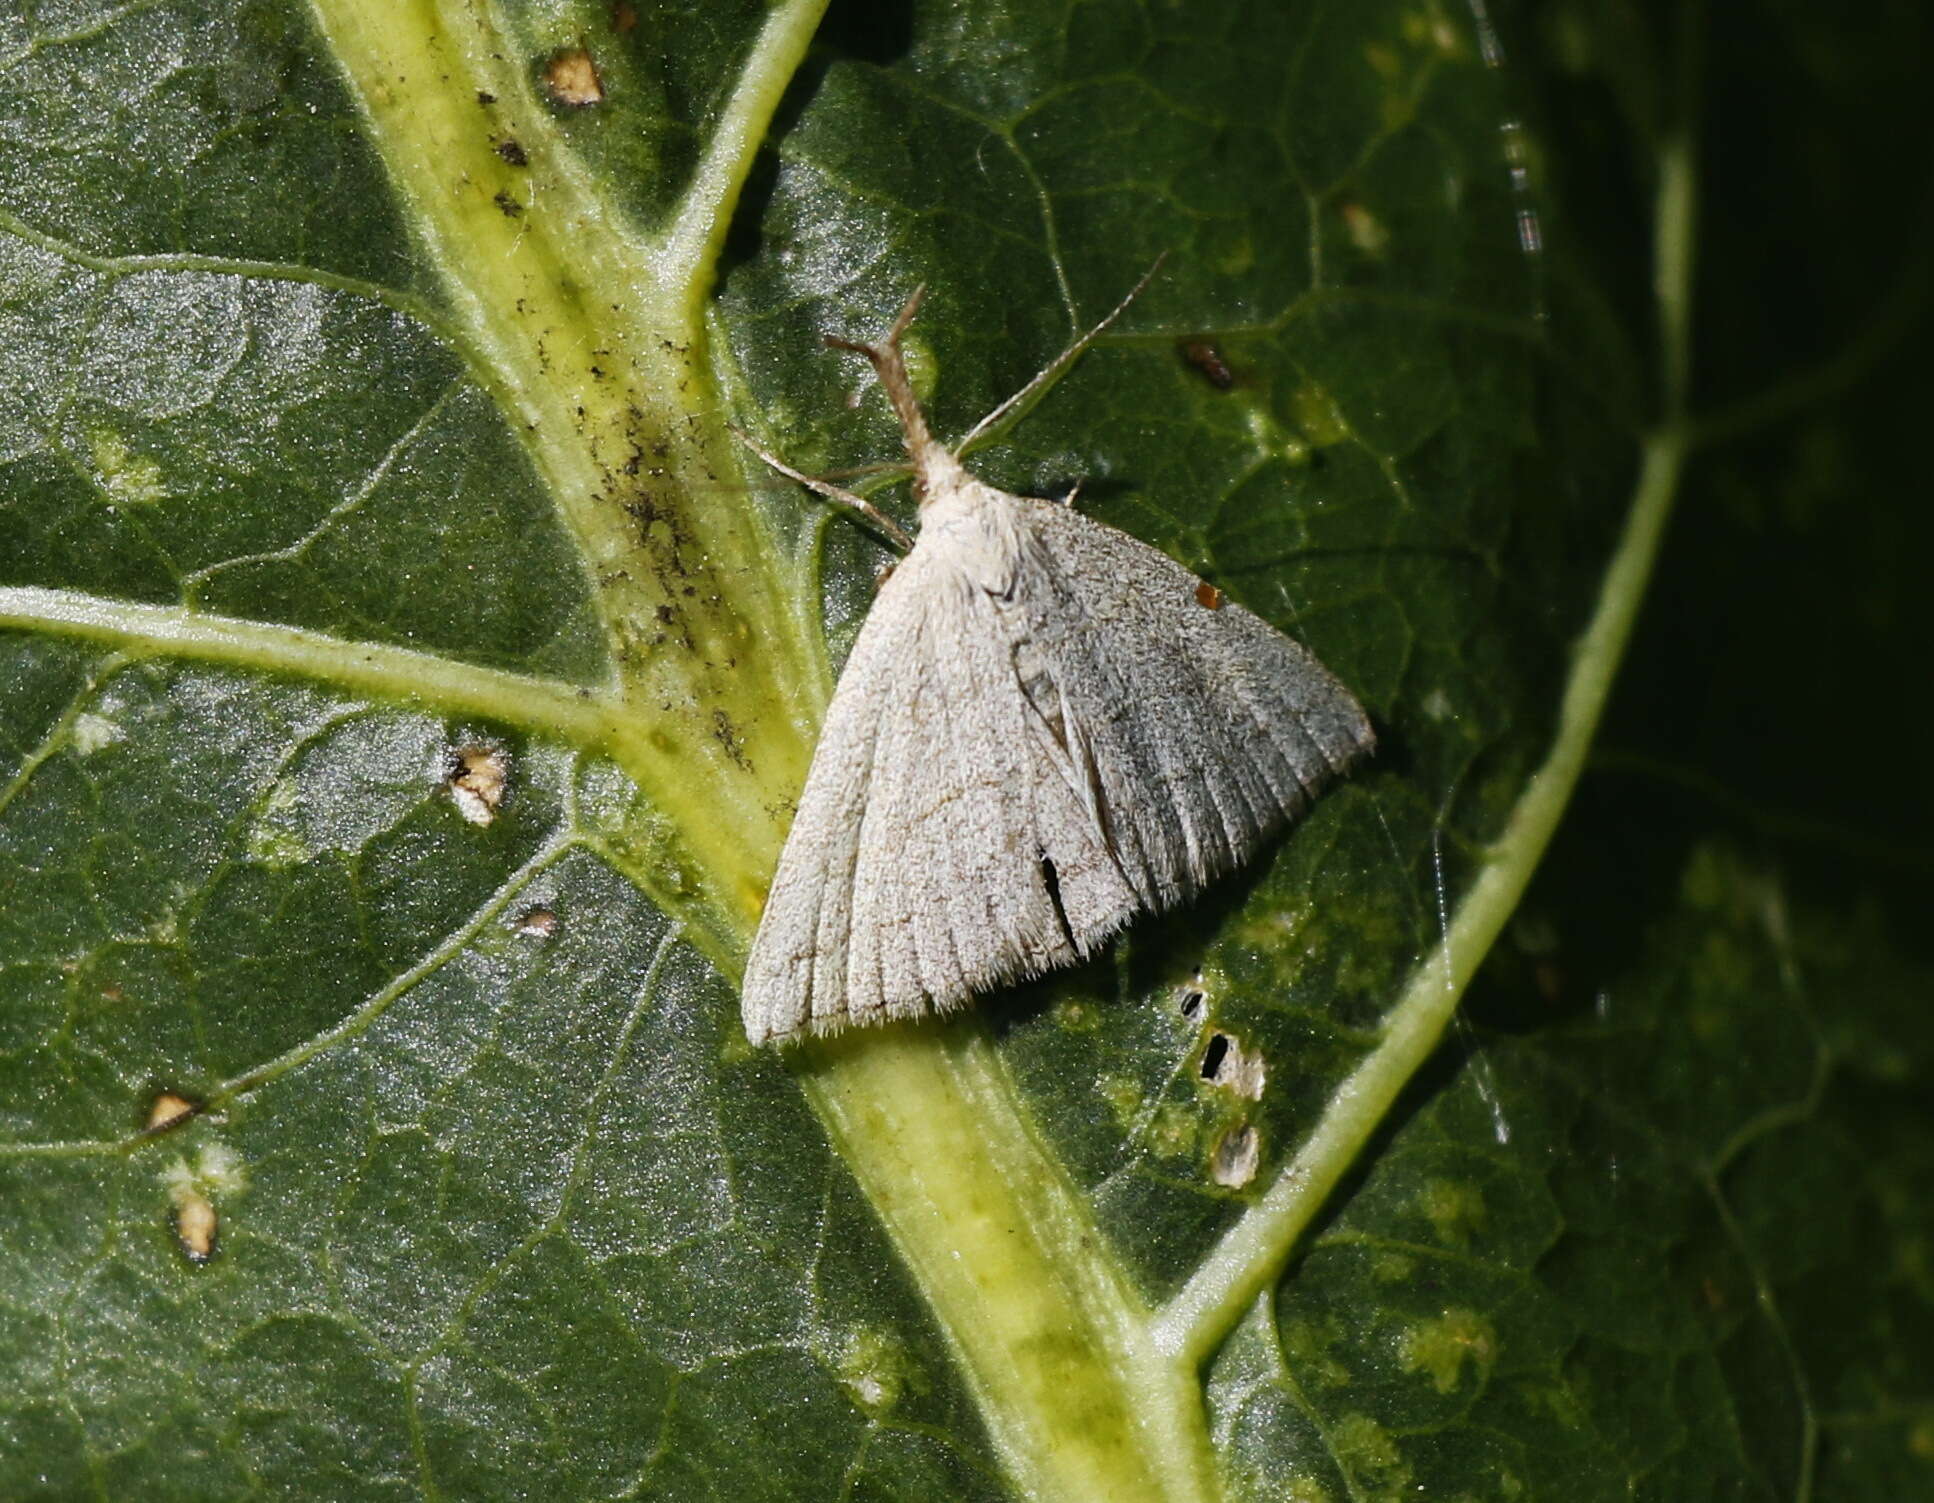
point(894, 532)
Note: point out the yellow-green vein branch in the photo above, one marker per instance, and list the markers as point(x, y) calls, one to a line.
point(686, 252)
point(439, 685)
point(1254, 1251)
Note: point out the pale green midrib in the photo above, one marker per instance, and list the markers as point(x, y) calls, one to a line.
point(1254, 1251)
point(1070, 1336)
point(1048, 1337)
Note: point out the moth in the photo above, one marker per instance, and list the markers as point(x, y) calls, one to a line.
point(1045, 727)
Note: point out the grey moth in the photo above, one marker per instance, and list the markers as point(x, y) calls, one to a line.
point(1044, 728)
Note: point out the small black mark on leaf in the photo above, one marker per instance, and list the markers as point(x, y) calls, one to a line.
point(513, 153)
point(727, 736)
point(484, 97)
point(1213, 1056)
point(512, 209)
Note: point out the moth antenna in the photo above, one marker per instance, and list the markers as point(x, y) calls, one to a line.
point(894, 532)
point(891, 367)
point(1052, 372)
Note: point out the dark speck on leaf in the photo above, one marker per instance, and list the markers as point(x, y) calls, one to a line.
point(509, 205)
point(1206, 356)
point(513, 153)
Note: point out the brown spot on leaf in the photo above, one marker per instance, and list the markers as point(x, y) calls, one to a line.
point(571, 78)
point(1206, 356)
point(1208, 595)
point(624, 17)
point(537, 923)
point(169, 1109)
point(477, 777)
point(196, 1225)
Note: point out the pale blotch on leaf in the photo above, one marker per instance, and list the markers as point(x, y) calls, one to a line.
point(1439, 1348)
point(1307, 1348)
point(1315, 412)
point(875, 1368)
point(1369, 1454)
point(1454, 1208)
point(1283, 1487)
point(1437, 705)
point(477, 775)
point(1393, 1268)
point(1174, 1132)
point(90, 732)
point(1237, 1154)
point(194, 1191)
point(1273, 441)
point(1237, 257)
point(130, 479)
point(1123, 1096)
point(1367, 233)
point(1430, 28)
point(277, 836)
point(571, 78)
point(169, 1109)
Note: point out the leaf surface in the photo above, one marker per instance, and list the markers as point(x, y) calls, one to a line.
point(370, 374)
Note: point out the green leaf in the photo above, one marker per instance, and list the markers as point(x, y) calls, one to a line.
point(372, 371)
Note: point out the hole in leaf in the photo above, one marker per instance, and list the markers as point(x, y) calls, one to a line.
point(1230, 1067)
